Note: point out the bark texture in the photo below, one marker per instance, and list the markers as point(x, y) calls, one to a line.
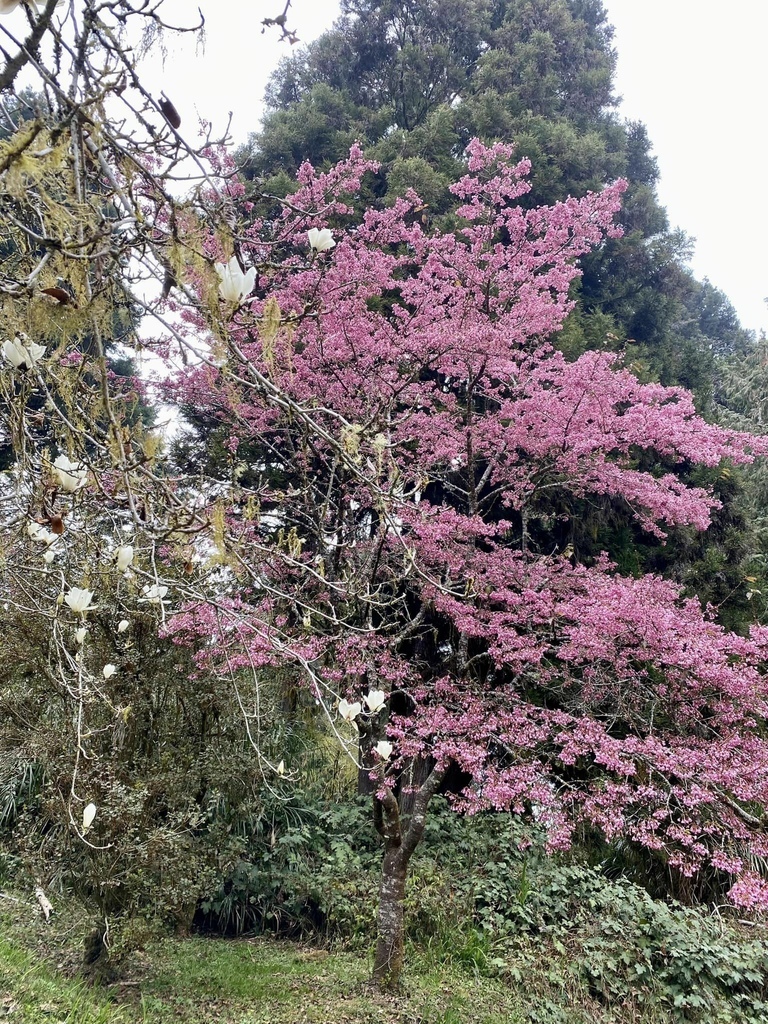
point(388, 963)
point(399, 845)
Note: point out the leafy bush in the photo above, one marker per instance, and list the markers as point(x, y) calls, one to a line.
point(628, 948)
point(313, 872)
point(482, 895)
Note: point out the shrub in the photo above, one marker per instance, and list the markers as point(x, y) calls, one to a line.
point(483, 896)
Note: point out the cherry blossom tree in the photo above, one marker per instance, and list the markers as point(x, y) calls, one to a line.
point(400, 448)
point(404, 433)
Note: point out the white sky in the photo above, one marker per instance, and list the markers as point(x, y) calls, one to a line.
point(695, 72)
point(233, 68)
point(692, 70)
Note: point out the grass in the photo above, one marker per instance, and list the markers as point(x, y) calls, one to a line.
point(32, 993)
point(261, 981)
point(245, 981)
point(172, 980)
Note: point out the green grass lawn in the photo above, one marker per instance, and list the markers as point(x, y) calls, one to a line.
point(32, 992)
point(244, 981)
point(260, 980)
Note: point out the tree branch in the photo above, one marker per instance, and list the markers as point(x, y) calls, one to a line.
point(419, 813)
point(15, 64)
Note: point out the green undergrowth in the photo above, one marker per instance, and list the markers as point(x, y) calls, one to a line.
point(461, 977)
point(267, 981)
point(241, 981)
point(496, 932)
point(484, 898)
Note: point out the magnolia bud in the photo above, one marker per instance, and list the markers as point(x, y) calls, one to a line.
point(89, 813)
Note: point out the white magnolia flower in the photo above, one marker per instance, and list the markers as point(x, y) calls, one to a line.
point(40, 534)
point(6, 6)
point(49, 556)
point(124, 557)
point(320, 239)
point(155, 593)
point(122, 625)
point(234, 285)
point(375, 700)
point(349, 712)
point(79, 600)
point(71, 475)
point(89, 813)
point(20, 351)
point(81, 634)
point(108, 671)
point(384, 749)
point(281, 768)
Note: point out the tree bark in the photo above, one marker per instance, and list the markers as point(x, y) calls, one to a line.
point(398, 849)
point(415, 773)
point(388, 962)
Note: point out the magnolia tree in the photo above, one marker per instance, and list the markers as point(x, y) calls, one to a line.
point(404, 448)
point(100, 734)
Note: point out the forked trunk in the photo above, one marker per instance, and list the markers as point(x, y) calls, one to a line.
point(399, 844)
point(388, 963)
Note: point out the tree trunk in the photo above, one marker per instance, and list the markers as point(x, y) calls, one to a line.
point(399, 845)
point(96, 967)
point(415, 773)
point(365, 784)
point(388, 963)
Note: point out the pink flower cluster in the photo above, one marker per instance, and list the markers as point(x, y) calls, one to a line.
point(403, 424)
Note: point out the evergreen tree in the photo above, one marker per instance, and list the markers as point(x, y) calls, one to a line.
point(414, 82)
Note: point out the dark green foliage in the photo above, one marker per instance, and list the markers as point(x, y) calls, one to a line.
point(415, 81)
point(538, 73)
point(420, 79)
point(637, 950)
point(175, 782)
point(307, 870)
point(406, 57)
point(485, 897)
point(323, 122)
point(314, 871)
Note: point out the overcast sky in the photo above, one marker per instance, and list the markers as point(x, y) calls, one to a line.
point(695, 72)
point(692, 70)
